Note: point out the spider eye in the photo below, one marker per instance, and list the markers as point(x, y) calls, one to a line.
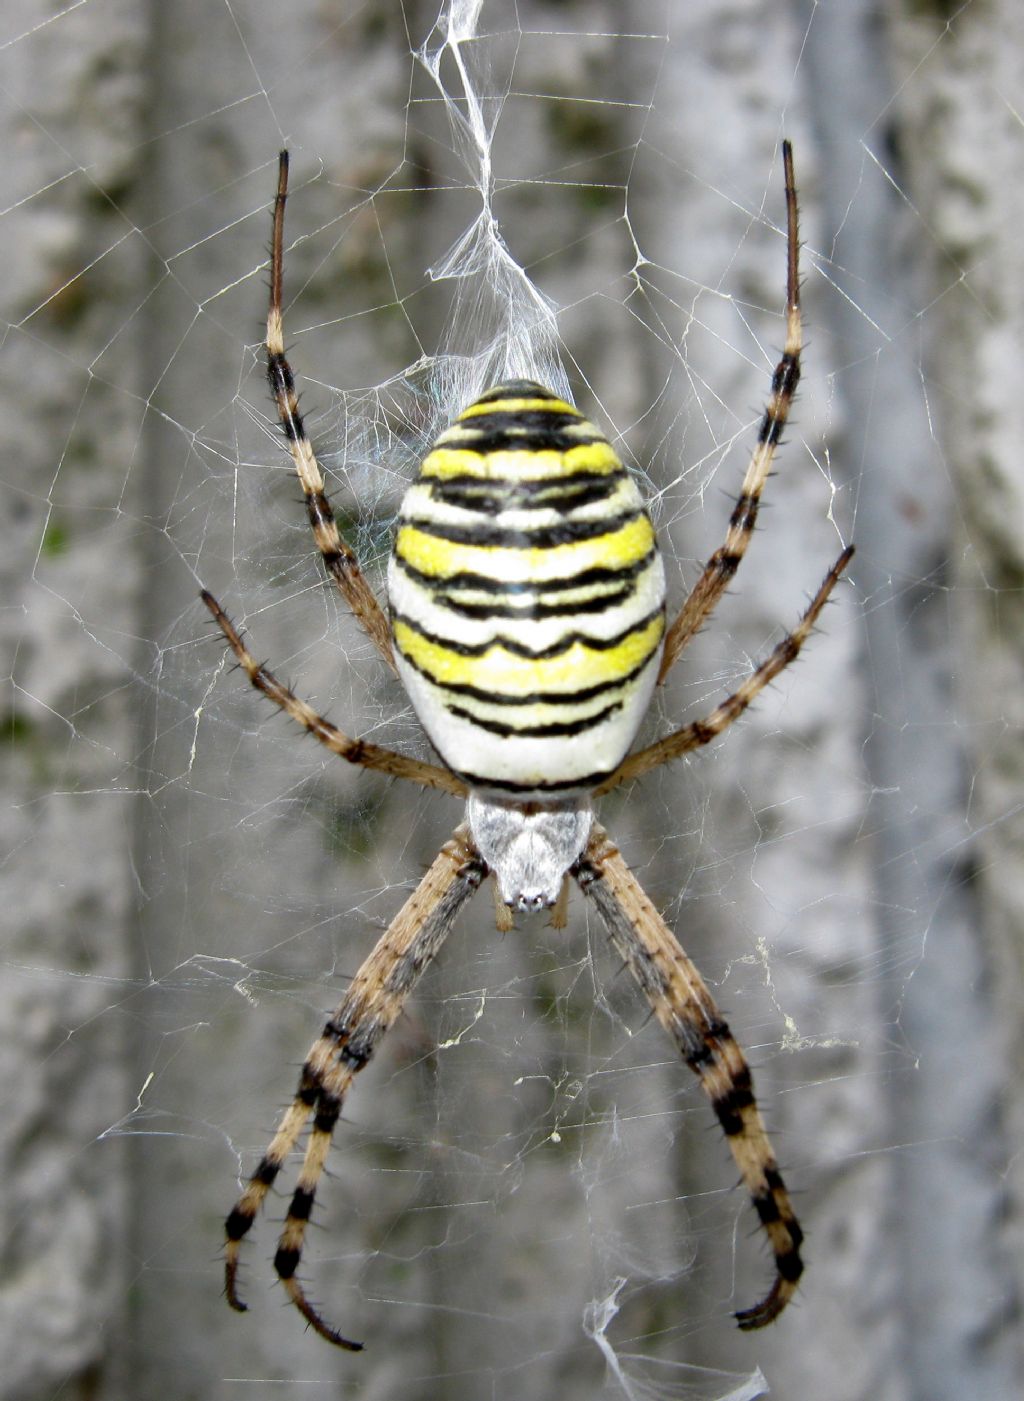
point(530, 904)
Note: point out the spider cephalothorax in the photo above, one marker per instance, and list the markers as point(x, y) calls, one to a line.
point(527, 623)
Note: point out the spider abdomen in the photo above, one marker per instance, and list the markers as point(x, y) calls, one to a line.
point(527, 597)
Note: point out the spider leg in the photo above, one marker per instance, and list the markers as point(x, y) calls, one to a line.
point(247, 1208)
point(683, 1005)
point(723, 564)
point(339, 560)
point(374, 1001)
point(700, 732)
point(356, 751)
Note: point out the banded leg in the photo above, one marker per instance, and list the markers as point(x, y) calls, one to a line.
point(356, 751)
point(683, 1005)
point(373, 1003)
point(700, 732)
point(723, 564)
point(339, 560)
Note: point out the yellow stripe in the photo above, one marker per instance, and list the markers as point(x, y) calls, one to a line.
point(440, 559)
point(519, 406)
point(522, 465)
point(504, 673)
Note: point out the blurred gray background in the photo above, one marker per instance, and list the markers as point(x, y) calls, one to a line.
point(529, 1196)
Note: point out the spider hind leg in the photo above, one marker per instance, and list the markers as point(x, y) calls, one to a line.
point(682, 1003)
point(242, 1215)
point(375, 999)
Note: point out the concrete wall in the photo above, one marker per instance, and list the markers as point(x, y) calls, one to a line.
point(529, 1197)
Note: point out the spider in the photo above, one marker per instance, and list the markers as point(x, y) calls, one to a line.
point(526, 619)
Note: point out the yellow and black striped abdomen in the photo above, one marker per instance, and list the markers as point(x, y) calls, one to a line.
point(527, 597)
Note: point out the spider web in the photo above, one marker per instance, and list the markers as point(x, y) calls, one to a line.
point(529, 1196)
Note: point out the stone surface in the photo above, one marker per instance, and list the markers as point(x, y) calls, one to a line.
point(529, 1197)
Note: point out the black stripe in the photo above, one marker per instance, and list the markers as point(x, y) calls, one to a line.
point(772, 425)
point(789, 1265)
point(280, 375)
point(519, 430)
point(730, 1106)
point(767, 1208)
point(522, 422)
point(516, 389)
point(327, 1113)
point(492, 496)
point(554, 728)
point(238, 1223)
point(774, 1179)
point(786, 376)
point(534, 610)
point(520, 649)
point(286, 1261)
point(541, 538)
point(266, 1172)
point(353, 1056)
point(568, 785)
point(794, 1229)
point(466, 579)
point(555, 482)
point(301, 1206)
point(529, 438)
point(744, 513)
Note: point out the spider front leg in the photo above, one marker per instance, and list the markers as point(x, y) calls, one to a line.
point(375, 999)
point(680, 1000)
point(356, 751)
point(723, 564)
point(339, 560)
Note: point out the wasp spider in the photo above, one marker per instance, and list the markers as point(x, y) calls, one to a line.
point(526, 619)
